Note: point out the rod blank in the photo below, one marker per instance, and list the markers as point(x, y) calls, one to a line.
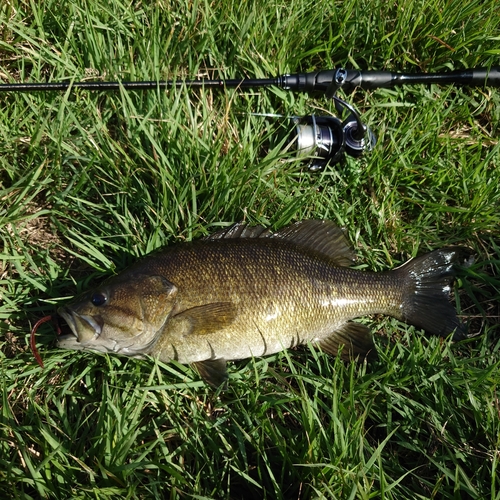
point(140, 85)
point(328, 81)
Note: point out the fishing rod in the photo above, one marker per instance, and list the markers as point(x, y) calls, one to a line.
point(324, 139)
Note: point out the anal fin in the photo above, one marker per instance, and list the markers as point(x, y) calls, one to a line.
point(213, 371)
point(354, 339)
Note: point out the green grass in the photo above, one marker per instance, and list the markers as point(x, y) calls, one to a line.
point(90, 181)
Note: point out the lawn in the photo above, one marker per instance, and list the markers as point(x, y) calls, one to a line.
point(90, 181)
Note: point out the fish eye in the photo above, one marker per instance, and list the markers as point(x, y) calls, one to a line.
point(98, 299)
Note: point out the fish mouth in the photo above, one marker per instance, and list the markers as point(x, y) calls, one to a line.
point(84, 328)
point(87, 334)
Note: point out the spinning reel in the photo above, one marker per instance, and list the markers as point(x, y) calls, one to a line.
point(326, 139)
point(323, 139)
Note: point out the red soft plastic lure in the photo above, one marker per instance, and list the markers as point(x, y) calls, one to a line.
point(34, 350)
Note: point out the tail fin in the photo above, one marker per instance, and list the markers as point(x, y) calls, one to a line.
point(427, 285)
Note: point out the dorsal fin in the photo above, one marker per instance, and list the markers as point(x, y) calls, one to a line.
point(321, 236)
point(240, 230)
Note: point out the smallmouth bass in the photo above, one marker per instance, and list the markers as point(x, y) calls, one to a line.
point(246, 291)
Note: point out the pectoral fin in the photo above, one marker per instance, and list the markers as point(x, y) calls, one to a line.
point(209, 318)
point(213, 371)
point(353, 338)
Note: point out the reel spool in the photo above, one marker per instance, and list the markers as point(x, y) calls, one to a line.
point(326, 139)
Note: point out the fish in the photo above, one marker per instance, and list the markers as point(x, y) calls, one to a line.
point(246, 291)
